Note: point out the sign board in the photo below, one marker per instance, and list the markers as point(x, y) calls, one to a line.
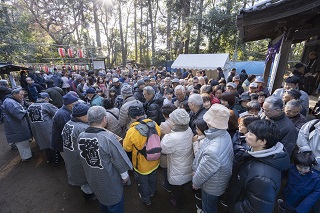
point(97, 64)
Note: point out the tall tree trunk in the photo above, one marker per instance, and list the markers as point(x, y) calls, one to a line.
point(121, 36)
point(187, 26)
point(96, 26)
point(152, 31)
point(229, 6)
point(141, 33)
point(83, 25)
point(169, 11)
point(197, 45)
point(135, 31)
point(126, 35)
point(177, 48)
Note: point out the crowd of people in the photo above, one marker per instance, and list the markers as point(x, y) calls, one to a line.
point(228, 136)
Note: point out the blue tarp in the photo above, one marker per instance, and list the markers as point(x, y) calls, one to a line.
point(251, 67)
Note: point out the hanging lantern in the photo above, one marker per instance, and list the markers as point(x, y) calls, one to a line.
point(61, 52)
point(80, 53)
point(70, 53)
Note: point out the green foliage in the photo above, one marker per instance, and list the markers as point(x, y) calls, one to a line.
point(28, 27)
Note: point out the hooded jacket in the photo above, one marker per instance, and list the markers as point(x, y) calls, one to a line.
point(308, 139)
point(256, 180)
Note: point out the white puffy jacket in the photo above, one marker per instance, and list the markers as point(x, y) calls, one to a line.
point(213, 162)
point(178, 147)
point(310, 141)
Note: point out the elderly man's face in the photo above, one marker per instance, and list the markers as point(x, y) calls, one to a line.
point(19, 96)
point(269, 111)
point(180, 95)
point(147, 96)
point(292, 111)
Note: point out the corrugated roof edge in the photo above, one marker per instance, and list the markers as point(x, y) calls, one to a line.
point(262, 5)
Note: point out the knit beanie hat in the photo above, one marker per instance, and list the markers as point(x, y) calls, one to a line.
point(180, 117)
point(79, 110)
point(126, 90)
point(135, 111)
point(217, 116)
point(69, 99)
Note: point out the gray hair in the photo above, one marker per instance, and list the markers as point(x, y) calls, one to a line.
point(253, 105)
point(206, 89)
point(180, 87)
point(16, 90)
point(96, 115)
point(276, 103)
point(294, 104)
point(196, 99)
point(149, 90)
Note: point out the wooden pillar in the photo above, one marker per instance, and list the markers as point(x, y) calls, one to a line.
point(266, 71)
point(285, 49)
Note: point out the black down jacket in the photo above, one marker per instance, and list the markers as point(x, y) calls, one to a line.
point(153, 108)
point(255, 183)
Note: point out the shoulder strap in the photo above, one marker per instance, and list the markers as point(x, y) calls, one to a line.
point(112, 114)
point(312, 126)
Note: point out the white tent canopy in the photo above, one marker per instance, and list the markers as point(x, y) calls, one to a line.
point(202, 61)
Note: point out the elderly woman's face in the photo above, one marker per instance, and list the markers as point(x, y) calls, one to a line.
point(291, 111)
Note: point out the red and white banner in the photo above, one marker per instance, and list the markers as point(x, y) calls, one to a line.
point(70, 53)
point(80, 53)
point(62, 52)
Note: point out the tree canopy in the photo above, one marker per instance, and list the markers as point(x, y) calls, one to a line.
point(148, 32)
